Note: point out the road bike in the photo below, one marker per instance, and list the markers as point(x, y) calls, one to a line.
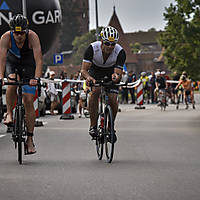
point(105, 123)
point(18, 128)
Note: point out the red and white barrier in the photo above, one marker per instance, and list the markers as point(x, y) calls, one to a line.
point(66, 95)
point(36, 104)
point(66, 101)
point(36, 108)
point(140, 96)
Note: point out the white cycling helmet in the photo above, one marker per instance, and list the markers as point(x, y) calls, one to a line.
point(143, 73)
point(109, 34)
point(163, 73)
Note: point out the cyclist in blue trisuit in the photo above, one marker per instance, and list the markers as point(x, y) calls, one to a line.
point(103, 58)
point(20, 49)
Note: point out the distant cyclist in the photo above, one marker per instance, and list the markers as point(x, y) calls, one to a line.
point(188, 90)
point(20, 49)
point(160, 83)
point(103, 58)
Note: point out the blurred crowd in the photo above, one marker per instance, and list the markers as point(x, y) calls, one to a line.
point(149, 79)
point(80, 93)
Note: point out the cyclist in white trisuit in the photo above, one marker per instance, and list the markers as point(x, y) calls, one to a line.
point(103, 58)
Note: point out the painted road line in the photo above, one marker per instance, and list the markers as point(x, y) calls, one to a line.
point(2, 136)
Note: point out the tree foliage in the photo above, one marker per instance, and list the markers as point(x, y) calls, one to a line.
point(135, 48)
point(181, 38)
point(80, 44)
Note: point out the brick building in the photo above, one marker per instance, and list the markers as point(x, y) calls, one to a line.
point(150, 49)
point(81, 13)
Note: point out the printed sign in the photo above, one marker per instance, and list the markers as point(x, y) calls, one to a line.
point(58, 59)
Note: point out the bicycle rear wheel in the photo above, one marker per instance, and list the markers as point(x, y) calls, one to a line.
point(99, 139)
point(20, 128)
point(109, 133)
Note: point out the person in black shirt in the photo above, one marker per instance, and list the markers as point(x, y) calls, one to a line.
point(152, 82)
point(160, 83)
point(131, 79)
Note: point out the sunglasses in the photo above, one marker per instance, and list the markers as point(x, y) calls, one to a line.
point(19, 32)
point(110, 44)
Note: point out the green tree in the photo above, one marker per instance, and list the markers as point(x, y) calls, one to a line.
point(181, 37)
point(152, 30)
point(135, 48)
point(80, 44)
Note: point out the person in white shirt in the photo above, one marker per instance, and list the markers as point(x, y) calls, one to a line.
point(52, 93)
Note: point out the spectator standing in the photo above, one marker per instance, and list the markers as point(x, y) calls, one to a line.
point(52, 93)
point(176, 77)
point(131, 79)
point(152, 81)
point(145, 79)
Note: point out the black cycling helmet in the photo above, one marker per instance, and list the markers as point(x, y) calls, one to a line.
point(18, 23)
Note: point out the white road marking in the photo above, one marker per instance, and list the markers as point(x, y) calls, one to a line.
point(2, 136)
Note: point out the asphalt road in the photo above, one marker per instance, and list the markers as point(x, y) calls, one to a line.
point(157, 156)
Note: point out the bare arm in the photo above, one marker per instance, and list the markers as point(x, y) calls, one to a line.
point(4, 46)
point(116, 76)
point(84, 72)
point(34, 43)
point(156, 83)
point(180, 82)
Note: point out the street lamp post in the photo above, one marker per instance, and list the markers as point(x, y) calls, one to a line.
point(97, 23)
point(24, 8)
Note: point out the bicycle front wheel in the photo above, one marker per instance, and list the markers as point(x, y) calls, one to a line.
point(100, 138)
point(20, 131)
point(109, 133)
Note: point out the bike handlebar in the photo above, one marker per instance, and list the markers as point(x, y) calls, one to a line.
point(106, 84)
point(21, 83)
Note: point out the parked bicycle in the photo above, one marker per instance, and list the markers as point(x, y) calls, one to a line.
point(18, 128)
